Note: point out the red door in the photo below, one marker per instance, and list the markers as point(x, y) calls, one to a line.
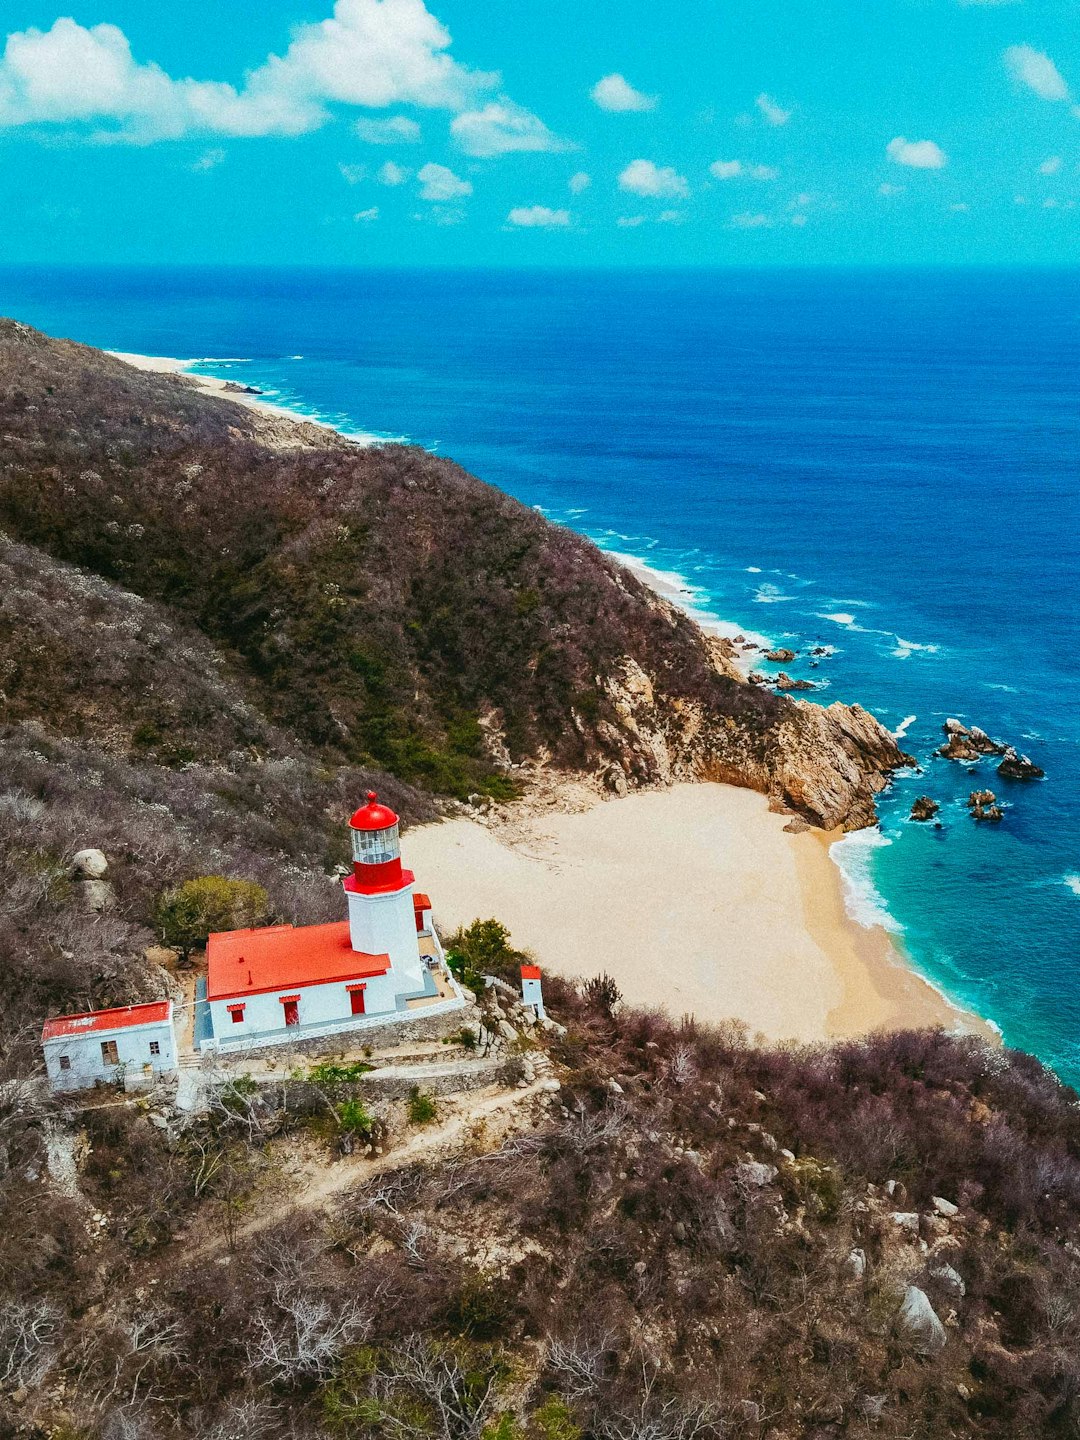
point(357, 998)
point(292, 1011)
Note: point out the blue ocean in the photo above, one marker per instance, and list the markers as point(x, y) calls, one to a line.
point(886, 464)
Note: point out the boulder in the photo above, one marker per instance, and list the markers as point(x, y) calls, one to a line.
point(918, 1320)
point(507, 1031)
point(780, 657)
point(856, 1264)
point(755, 1173)
point(950, 1280)
point(983, 806)
point(906, 1220)
point(96, 895)
point(1019, 767)
point(944, 1207)
point(785, 682)
point(924, 808)
point(89, 864)
point(615, 780)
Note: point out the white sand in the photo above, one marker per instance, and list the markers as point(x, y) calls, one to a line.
point(694, 899)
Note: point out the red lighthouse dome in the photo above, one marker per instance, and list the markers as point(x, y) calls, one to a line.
point(373, 816)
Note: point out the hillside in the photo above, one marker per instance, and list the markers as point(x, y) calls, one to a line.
point(383, 607)
point(658, 1233)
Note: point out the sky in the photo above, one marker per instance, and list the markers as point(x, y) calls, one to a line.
point(540, 132)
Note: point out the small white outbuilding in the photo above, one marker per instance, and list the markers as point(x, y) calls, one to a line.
point(109, 1045)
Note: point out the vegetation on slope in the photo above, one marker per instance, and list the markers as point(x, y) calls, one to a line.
point(694, 1238)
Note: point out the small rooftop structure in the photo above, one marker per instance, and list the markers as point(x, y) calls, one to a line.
point(156, 1012)
point(532, 991)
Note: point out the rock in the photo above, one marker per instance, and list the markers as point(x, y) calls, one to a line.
point(944, 1207)
point(895, 1189)
point(950, 1280)
point(678, 1231)
point(856, 1264)
point(924, 808)
point(1019, 767)
point(614, 1086)
point(919, 1322)
point(779, 657)
point(983, 806)
point(906, 1220)
point(755, 1174)
point(797, 826)
point(507, 1031)
point(552, 1086)
point(233, 387)
point(615, 780)
point(784, 682)
point(89, 864)
point(97, 895)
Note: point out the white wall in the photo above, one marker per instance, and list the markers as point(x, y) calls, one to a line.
point(84, 1052)
point(318, 1004)
point(386, 925)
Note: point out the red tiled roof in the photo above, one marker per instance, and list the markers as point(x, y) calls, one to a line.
point(279, 957)
point(92, 1021)
point(421, 902)
point(530, 972)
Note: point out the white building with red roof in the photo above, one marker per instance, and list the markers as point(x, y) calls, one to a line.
point(109, 1046)
point(280, 983)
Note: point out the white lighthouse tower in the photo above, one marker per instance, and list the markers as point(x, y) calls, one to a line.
point(382, 919)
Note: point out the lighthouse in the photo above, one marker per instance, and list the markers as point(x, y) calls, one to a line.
point(382, 915)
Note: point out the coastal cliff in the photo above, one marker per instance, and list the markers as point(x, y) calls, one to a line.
point(380, 606)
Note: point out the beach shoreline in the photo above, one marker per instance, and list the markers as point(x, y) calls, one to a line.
point(863, 979)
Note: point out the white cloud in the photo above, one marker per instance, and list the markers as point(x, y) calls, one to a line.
point(887, 188)
point(390, 173)
point(800, 201)
point(538, 217)
point(208, 160)
point(395, 130)
point(775, 114)
point(1037, 71)
point(372, 53)
point(615, 93)
point(579, 182)
point(1051, 165)
point(960, 207)
point(630, 222)
point(353, 174)
point(917, 154)
point(736, 170)
point(643, 177)
point(437, 182)
point(363, 216)
point(670, 217)
point(500, 127)
point(748, 220)
point(798, 219)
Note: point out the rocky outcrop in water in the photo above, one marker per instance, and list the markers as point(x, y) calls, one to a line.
point(983, 806)
point(780, 657)
point(785, 682)
point(1015, 766)
point(968, 742)
point(924, 808)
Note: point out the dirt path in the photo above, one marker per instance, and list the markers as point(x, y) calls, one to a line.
point(323, 1181)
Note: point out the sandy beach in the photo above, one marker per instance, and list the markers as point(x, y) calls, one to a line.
point(695, 899)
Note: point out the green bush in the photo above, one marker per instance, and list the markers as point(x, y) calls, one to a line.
point(328, 1072)
point(187, 914)
point(354, 1117)
point(422, 1107)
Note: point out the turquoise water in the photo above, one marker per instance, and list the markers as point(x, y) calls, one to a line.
point(882, 463)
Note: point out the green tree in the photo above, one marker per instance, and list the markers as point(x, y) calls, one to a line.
point(186, 914)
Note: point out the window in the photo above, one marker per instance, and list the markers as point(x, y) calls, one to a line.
point(109, 1053)
point(376, 847)
point(155, 1047)
point(65, 1062)
point(291, 1005)
point(237, 1014)
point(356, 996)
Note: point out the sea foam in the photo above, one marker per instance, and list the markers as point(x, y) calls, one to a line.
point(1073, 883)
point(853, 856)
